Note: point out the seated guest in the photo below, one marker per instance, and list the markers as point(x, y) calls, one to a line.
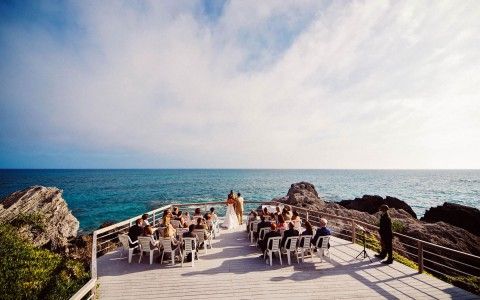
point(262, 224)
point(265, 211)
point(179, 217)
point(135, 231)
point(288, 233)
point(175, 211)
point(148, 232)
point(190, 234)
point(187, 219)
point(198, 212)
point(273, 233)
point(286, 213)
point(165, 220)
point(145, 220)
point(201, 224)
point(296, 220)
point(308, 231)
point(281, 223)
point(322, 231)
point(167, 234)
point(213, 214)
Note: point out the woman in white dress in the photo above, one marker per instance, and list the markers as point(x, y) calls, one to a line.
point(231, 220)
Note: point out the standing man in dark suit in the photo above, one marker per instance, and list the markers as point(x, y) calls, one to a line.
point(386, 235)
point(135, 231)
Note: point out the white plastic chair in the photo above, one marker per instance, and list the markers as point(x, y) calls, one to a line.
point(145, 243)
point(273, 246)
point(126, 241)
point(189, 246)
point(253, 230)
point(167, 248)
point(322, 247)
point(307, 245)
point(292, 247)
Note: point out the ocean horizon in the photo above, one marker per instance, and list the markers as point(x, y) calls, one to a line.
point(98, 195)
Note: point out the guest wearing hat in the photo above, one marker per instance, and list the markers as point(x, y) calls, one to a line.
point(386, 235)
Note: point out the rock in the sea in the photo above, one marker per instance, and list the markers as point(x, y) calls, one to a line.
point(42, 215)
point(303, 194)
point(458, 215)
point(371, 204)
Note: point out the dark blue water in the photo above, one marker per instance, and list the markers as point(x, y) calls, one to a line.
point(98, 195)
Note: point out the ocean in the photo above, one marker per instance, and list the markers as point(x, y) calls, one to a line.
point(95, 196)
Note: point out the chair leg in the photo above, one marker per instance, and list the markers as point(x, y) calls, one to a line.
point(151, 257)
point(270, 254)
point(140, 258)
point(130, 254)
point(161, 259)
point(280, 256)
point(288, 257)
point(193, 259)
point(183, 257)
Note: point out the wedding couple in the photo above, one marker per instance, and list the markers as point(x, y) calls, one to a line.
point(234, 214)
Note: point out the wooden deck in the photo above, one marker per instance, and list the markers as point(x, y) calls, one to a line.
point(233, 269)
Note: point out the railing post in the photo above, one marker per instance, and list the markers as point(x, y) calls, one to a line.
point(354, 233)
point(307, 215)
point(93, 267)
point(420, 257)
point(153, 219)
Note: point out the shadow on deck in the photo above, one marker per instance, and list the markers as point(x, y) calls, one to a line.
point(234, 269)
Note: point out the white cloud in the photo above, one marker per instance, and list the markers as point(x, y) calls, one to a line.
point(357, 85)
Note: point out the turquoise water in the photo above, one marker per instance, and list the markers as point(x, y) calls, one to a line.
point(98, 195)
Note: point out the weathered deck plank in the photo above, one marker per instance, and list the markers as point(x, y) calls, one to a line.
point(233, 269)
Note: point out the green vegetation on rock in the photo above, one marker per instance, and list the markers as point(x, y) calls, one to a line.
point(28, 272)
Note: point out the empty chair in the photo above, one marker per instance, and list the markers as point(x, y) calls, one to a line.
point(291, 242)
point(167, 248)
point(189, 246)
point(126, 241)
point(145, 246)
point(253, 230)
point(322, 247)
point(305, 245)
point(273, 246)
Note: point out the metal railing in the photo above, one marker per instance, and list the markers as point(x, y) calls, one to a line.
point(106, 239)
point(438, 260)
point(343, 227)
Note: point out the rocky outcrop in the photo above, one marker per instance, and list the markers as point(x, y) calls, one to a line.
point(440, 233)
point(458, 215)
point(303, 194)
point(41, 215)
point(371, 204)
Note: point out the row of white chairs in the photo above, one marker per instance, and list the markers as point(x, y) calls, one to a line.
point(274, 243)
point(186, 246)
point(294, 242)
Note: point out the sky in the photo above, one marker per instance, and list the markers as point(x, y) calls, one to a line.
point(240, 84)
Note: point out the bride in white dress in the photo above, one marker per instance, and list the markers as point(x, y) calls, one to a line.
point(231, 220)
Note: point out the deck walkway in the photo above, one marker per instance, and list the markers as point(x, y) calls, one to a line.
point(234, 270)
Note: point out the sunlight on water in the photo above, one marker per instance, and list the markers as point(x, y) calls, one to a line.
point(99, 195)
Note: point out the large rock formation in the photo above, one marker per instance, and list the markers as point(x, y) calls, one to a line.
point(42, 215)
point(458, 215)
point(438, 233)
point(371, 204)
point(303, 194)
